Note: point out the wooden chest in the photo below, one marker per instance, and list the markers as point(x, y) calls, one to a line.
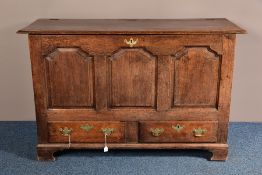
point(142, 84)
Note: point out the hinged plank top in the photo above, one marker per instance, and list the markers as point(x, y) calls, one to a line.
point(132, 26)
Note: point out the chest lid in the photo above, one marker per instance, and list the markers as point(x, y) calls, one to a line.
point(132, 26)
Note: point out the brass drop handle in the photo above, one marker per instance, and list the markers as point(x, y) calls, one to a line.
point(131, 42)
point(177, 127)
point(107, 131)
point(157, 131)
point(199, 132)
point(66, 131)
point(86, 127)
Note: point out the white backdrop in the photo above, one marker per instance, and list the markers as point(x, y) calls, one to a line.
point(16, 93)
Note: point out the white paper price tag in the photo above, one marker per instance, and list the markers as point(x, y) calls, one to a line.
point(105, 149)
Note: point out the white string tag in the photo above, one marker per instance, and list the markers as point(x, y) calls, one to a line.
point(69, 141)
point(105, 148)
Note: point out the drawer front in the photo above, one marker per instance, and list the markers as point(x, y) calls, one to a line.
point(178, 131)
point(87, 131)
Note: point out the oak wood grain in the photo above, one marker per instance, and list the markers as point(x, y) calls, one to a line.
point(185, 133)
point(132, 78)
point(219, 150)
point(196, 77)
point(70, 78)
point(39, 85)
point(132, 26)
point(79, 135)
point(206, 146)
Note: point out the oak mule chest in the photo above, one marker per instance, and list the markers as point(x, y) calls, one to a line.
point(139, 84)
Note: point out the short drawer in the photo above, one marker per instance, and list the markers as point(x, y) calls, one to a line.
point(86, 131)
point(178, 131)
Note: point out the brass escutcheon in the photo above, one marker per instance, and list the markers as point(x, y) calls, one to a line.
point(157, 131)
point(199, 132)
point(177, 127)
point(66, 131)
point(107, 131)
point(86, 127)
point(131, 42)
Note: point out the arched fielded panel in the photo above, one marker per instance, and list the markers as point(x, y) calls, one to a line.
point(69, 78)
point(132, 78)
point(196, 77)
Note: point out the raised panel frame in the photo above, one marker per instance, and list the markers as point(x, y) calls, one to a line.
point(116, 56)
point(178, 57)
point(103, 46)
point(73, 100)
